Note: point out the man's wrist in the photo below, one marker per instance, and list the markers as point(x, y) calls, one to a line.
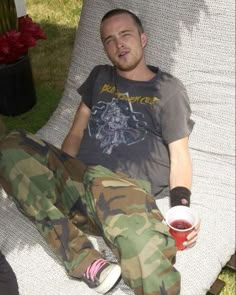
point(180, 195)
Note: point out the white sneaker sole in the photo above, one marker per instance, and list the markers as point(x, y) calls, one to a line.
point(110, 280)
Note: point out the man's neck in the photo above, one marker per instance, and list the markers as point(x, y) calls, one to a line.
point(140, 73)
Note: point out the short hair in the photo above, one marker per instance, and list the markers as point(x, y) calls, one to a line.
point(119, 11)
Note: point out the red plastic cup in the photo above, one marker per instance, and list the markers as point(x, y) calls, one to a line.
point(181, 221)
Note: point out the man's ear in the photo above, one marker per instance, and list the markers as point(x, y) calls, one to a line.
point(144, 39)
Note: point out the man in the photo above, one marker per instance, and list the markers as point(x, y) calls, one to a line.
point(69, 192)
point(158, 119)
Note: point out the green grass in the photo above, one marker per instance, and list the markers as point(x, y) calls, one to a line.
point(33, 120)
point(50, 61)
point(229, 278)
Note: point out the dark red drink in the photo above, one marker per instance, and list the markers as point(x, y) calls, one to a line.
point(180, 229)
point(181, 221)
point(181, 224)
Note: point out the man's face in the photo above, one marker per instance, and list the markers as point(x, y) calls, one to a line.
point(123, 43)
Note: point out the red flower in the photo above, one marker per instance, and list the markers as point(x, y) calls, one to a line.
point(27, 26)
point(13, 45)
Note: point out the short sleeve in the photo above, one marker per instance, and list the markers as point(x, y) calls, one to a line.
point(175, 117)
point(86, 89)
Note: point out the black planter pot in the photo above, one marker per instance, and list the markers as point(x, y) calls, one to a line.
point(17, 91)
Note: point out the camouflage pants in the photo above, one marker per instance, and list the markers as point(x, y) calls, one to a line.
point(65, 200)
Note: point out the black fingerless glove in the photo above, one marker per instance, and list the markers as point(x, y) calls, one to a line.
point(177, 194)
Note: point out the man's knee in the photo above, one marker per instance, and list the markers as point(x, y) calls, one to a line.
point(11, 140)
point(25, 143)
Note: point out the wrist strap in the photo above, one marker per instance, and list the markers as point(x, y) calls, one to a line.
point(177, 194)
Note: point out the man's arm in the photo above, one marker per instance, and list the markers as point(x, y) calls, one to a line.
point(181, 177)
point(180, 172)
point(74, 137)
point(180, 164)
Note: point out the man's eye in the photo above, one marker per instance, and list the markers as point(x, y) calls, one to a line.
point(107, 42)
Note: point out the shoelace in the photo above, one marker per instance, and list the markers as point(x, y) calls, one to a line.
point(94, 268)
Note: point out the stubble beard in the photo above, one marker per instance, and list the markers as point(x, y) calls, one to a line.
point(128, 66)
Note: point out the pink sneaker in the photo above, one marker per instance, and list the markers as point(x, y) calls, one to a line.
point(102, 275)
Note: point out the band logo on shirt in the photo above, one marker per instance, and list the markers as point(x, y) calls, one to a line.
point(131, 99)
point(114, 123)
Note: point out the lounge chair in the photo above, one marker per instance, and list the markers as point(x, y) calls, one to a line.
point(193, 40)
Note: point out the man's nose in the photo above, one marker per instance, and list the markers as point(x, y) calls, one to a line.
point(119, 43)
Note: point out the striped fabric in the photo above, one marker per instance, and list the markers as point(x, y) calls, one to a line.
point(194, 40)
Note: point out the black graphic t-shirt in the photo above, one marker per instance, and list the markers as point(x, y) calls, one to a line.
point(132, 123)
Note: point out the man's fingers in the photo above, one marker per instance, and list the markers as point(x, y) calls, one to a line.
point(190, 243)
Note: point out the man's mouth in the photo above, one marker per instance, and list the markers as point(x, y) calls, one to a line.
point(123, 53)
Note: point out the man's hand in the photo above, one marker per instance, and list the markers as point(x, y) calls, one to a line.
point(192, 237)
point(73, 139)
